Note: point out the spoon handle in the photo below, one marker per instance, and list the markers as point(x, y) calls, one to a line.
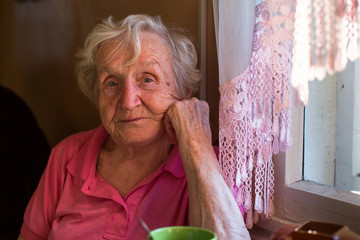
point(145, 226)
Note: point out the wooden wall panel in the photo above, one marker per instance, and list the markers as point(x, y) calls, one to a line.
point(38, 43)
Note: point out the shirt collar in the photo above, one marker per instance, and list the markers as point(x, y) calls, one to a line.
point(84, 163)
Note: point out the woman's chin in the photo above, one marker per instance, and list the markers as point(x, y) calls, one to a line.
point(140, 138)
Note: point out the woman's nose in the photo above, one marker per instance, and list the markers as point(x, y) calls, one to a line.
point(129, 96)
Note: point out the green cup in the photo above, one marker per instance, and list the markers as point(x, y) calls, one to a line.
point(182, 233)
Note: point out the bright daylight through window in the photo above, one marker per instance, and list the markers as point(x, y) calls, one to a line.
point(332, 130)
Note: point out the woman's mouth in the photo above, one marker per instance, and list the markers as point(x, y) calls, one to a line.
point(131, 120)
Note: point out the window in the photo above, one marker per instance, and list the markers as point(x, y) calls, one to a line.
point(332, 131)
point(298, 200)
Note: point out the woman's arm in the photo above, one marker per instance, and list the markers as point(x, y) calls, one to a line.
point(211, 203)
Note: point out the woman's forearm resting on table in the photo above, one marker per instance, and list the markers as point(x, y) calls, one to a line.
point(212, 205)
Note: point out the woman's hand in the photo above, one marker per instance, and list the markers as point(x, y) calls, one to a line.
point(187, 123)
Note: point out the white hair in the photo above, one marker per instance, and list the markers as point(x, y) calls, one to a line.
point(127, 32)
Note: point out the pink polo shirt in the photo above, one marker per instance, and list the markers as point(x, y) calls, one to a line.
point(73, 202)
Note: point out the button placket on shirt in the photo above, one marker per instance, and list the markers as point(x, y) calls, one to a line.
point(123, 216)
point(123, 211)
point(117, 220)
point(117, 223)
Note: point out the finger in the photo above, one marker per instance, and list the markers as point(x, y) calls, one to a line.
point(189, 117)
point(170, 129)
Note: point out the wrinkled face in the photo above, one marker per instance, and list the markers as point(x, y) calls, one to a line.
point(133, 99)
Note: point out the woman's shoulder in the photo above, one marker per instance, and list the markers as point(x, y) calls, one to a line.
point(77, 138)
point(71, 145)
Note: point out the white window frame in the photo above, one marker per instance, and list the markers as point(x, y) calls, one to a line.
point(297, 201)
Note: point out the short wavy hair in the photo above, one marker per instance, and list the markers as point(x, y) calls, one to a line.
point(127, 32)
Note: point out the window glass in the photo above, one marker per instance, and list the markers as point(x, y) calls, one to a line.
point(332, 130)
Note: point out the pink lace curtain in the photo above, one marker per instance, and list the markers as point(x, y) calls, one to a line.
point(326, 35)
point(255, 103)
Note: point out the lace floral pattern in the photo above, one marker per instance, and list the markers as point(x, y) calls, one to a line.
point(255, 112)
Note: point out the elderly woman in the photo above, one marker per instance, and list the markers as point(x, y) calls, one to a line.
point(152, 156)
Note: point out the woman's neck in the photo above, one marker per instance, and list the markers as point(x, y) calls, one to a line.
point(124, 167)
point(150, 155)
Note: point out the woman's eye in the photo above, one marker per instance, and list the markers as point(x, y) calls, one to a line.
point(147, 80)
point(112, 84)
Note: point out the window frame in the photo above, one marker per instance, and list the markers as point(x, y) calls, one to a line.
point(297, 201)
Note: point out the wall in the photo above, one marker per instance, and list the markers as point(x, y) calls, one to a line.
point(212, 73)
point(39, 39)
